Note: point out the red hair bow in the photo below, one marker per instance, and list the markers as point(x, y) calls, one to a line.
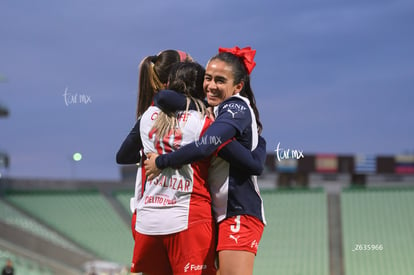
point(246, 54)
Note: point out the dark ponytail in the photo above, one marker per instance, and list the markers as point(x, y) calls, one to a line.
point(153, 76)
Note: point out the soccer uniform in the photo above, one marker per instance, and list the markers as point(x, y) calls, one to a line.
point(237, 204)
point(235, 194)
point(174, 221)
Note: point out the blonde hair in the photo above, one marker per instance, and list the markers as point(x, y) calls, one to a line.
point(186, 78)
point(168, 124)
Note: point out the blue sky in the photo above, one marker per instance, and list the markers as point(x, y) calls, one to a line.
point(331, 76)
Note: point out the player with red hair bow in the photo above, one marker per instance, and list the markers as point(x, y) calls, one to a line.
point(246, 54)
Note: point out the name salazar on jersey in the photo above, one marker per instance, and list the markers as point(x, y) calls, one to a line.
point(174, 182)
point(234, 108)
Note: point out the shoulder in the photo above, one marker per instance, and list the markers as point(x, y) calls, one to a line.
point(149, 116)
point(234, 106)
point(150, 112)
point(190, 117)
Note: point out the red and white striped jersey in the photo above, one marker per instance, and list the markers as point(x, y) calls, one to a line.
point(177, 197)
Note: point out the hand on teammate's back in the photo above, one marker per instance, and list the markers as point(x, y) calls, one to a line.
point(151, 169)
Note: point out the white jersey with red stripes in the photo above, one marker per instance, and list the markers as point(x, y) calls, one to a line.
point(177, 197)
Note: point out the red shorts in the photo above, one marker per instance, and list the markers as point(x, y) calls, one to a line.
point(242, 232)
point(191, 251)
point(133, 221)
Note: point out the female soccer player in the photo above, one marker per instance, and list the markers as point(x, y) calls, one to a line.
point(153, 77)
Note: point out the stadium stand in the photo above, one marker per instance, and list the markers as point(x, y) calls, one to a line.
point(124, 198)
point(378, 230)
point(14, 217)
point(85, 217)
point(23, 265)
point(295, 239)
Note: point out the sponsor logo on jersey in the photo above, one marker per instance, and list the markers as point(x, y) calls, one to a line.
point(186, 267)
point(234, 108)
point(236, 239)
point(194, 267)
point(254, 244)
point(159, 199)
